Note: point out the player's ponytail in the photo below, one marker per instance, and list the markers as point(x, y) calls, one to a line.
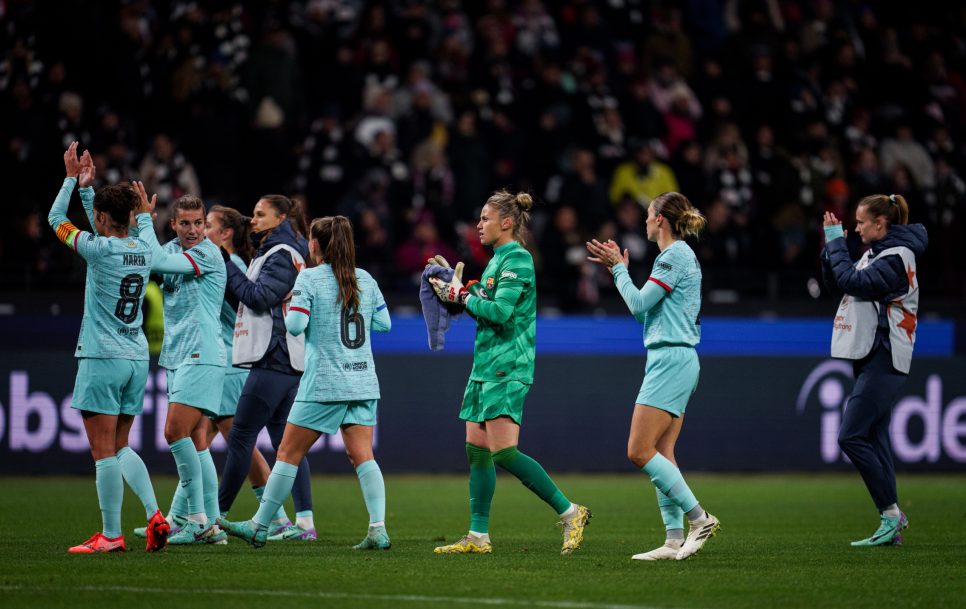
point(240, 226)
point(684, 218)
point(337, 246)
point(514, 206)
point(893, 208)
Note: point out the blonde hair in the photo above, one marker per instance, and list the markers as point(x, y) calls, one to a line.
point(893, 208)
point(514, 206)
point(685, 219)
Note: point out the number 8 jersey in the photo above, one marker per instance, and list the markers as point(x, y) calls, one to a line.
point(338, 352)
point(117, 272)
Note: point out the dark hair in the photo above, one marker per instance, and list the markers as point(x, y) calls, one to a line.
point(291, 209)
point(117, 201)
point(334, 235)
point(240, 226)
point(892, 207)
point(684, 217)
point(516, 207)
point(187, 203)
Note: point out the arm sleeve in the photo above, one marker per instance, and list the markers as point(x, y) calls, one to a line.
point(882, 277)
point(299, 308)
point(162, 261)
point(515, 275)
point(272, 285)
point(381, 322)
point(87, 200)
point(84, 243)
point(639, 301)
point(828, 277)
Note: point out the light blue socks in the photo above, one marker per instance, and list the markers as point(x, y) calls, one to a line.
point(136, 475)
point(672, 515)
point(209, 484)
point(668, 480)
point(278, 487)
point(189, 471)
point(110, 494)
point(280, 515)
point(373, 490)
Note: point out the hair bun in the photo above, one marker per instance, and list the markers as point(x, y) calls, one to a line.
point(525, 201)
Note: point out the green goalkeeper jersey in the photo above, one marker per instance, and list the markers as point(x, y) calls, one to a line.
point(506, 317)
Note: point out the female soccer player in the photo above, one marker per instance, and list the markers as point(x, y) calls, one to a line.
point(275, 357)
point(504, 305)
point(336, 305)
point(112, 352)
point(875, 327)
point(669, 307)
point(193, 354)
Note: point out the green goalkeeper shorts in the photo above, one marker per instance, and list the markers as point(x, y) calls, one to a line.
point(485, 401)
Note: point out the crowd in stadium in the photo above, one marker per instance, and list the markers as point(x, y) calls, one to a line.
point(405, 115)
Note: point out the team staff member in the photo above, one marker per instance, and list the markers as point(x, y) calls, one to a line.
point(275, 357)
point(875, 327)
point(504, 305)
point(669, 307)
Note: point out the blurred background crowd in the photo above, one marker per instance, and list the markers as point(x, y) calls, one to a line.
point(406, 114)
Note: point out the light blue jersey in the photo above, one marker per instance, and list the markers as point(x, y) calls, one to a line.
point(338, 353)
point(194, 291)
point(228, 314)
point(672, 316)
point(117, 271)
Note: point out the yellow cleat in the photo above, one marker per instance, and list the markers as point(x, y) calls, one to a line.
point(573, 529)
point(470, 544)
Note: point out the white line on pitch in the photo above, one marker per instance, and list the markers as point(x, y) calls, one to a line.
point(410, 598)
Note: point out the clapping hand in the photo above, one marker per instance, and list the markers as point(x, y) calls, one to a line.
point(87, 172)
point(607, 253)
point(71, 162)
point(144, 205)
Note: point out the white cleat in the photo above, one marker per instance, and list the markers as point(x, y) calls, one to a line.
point(700, 532)
point(669, 551)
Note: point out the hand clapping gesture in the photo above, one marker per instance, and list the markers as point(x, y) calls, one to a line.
point(144, 205)
point(608, 253)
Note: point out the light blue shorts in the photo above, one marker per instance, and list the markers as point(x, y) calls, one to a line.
point(670, 377)
point(198, 386)
point(110, 386)
point(328, 417)
point(234, 383)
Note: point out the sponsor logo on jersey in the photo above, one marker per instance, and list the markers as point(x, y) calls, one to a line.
point(134, 260)
point(355, 366)
point(129, 243)
point(490, 282)
point(509, 274)
point(664, 266)
point(198, 252)
point(125, 331)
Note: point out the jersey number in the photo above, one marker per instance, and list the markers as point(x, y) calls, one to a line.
point(130, 300)
point(353, 319)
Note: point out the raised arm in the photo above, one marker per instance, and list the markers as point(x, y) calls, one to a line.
point(161, 261)
point(639, 301)
point(85, 180)
point(882, 277)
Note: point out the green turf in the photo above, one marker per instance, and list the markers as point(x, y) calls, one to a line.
point(783, 543)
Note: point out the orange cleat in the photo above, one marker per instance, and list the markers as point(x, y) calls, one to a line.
point(98, 543)
point(157, 532)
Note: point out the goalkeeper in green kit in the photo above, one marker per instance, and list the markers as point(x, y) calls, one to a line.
point(504, 304)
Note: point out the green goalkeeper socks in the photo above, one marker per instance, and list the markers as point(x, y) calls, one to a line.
point(533, 476)
point(482, 486)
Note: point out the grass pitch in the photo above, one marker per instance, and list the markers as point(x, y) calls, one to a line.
point(783, 543)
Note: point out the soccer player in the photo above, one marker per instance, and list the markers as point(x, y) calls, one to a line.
point(336, 305)
point(669, 307)
point(875, 327)
point(274, 356)
point(193, 354)
point(112, 352)
point(504, 305)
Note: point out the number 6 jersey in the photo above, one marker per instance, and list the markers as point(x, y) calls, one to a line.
point(338, 353)
point(117, 272)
